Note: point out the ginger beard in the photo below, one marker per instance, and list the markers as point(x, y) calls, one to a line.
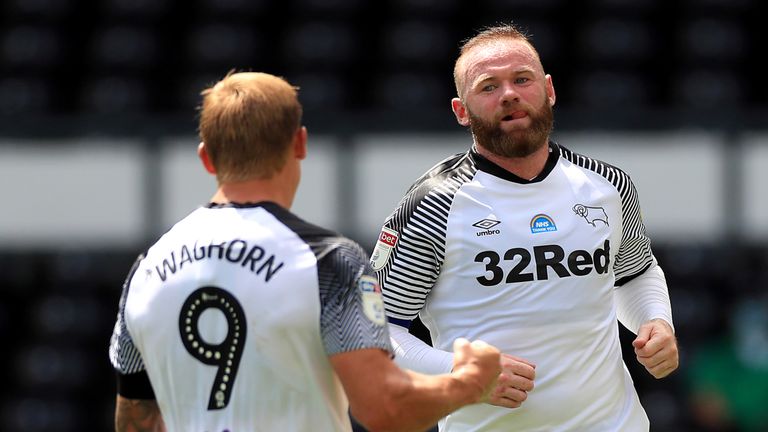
point(517, 143)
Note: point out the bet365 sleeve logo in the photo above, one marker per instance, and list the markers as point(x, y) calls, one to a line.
point(383, 249)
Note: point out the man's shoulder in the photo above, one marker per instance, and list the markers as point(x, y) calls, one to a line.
point(452, 170)
point(324, 242)
point(610, 172)
point(304, 229)
point(269, 223)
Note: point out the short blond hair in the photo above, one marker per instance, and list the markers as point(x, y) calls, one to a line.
point(247, 122)
point(485, 36)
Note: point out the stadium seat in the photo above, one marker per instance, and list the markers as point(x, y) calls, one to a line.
point(232, 8)
point(114, 94)
point(24, 95)
point(611, 40)
point(411, 91)
point(418, 42)
point(27, 47)
point(48, 9)
point(711, 39)
point(39, 414)
point(319, 91)
point(137, 9)
point(124, 47)
point(320, 44)
point(601, 88)
point(214, 47)
point(702, 88)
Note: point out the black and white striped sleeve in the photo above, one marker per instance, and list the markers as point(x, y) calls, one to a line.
point(132, 379)
point(123, 354)
point(411, 247)
point(351, 308)
point(634, 255)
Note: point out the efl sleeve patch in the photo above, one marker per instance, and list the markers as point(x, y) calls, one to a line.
point(373, 302)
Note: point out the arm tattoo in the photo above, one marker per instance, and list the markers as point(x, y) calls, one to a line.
point(138, 415)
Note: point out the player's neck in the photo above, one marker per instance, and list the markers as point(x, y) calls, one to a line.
point(527, 167)
point(275, 190)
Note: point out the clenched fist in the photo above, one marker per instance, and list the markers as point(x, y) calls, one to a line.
point(477, 364)
point(656, 348)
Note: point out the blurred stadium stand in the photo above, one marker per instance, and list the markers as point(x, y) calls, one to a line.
point(125, 76)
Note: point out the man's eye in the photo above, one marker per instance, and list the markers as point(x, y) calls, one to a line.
point(521, 80)
point(489, 87)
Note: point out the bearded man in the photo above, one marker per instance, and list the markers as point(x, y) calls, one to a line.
point(531, 247)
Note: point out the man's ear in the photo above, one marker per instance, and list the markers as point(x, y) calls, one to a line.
point(550, 91)
point(300, 143)
point(202, 153)
point(460, 111)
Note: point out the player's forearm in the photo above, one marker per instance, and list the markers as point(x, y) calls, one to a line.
point(137, 415)
point(412, 353)
point(414, 402)
point(644, 298)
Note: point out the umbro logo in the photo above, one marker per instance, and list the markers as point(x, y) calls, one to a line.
point(486, 225)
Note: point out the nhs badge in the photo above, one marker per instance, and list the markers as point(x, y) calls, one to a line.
point(542, 223)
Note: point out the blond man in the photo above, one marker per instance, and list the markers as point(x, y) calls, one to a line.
point(244, 317)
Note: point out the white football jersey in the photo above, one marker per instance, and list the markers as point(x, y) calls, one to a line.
point(529, 266)
point(233, 314)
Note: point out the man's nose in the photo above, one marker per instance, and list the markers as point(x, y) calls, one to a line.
point(509, 94)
